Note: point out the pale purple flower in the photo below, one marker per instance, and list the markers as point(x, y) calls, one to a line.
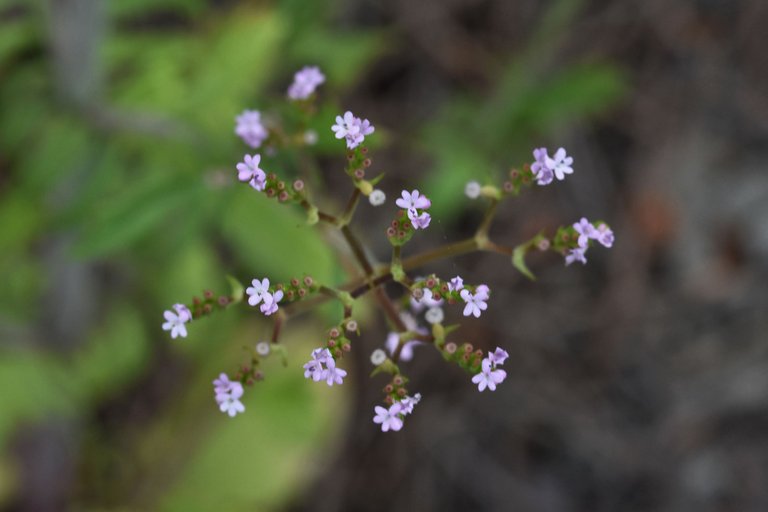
point(604, 235)
point(248, 170)
point(176, 321)
point(229, 402)
point(419, 221)
point(222, 384)
point(586, 230)
point(257, 290)
point(322, 366)
point(498, 356)
point(389, 418)
point(456, 284)
point(352, 128)
point(406, 354)
point(413, 199)
point(314, 368)
point(483, 291)
point(409, 402)
point(489, 377)
point(305, 81)
point(333, 375)
point(576, 254)
point(560, 164)
point(541, 171)
point(476, 303)
point(250, 129)
point(270, 302)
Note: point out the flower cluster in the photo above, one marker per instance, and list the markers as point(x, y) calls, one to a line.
point(176, 320)
point(227, 394)
point(546, 168)
point(305, 81)
point(258, 293)
point(587, 231)
point(392, 418)
point(418, 316)
point(489, 375)
point(250, 128)
point(322, 366)
point(413, 202)
point(352, 129)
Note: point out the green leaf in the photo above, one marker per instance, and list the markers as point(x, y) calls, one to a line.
point(518, 260)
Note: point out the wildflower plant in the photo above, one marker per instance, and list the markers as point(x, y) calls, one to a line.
point(428, 296)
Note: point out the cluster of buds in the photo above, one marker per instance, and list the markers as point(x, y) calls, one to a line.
point(422, 295)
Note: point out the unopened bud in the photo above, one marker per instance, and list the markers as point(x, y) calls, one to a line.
point(207, 294)
point(258, 375)
point(334, 332)
point(308, 281)
point(346, 347)
point(352, 326)
point(450, 347)
point(294, 282)
point(302, 292)
point(543, 244)
point(359, 174)
point(298, 185)
point(207, 309)
point(283, 196)
point(397, 380)
point(401, 392)
point(367, 162)
point(388, 388)
point(468, 348)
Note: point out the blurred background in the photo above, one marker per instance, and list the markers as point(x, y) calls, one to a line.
point(636, 383)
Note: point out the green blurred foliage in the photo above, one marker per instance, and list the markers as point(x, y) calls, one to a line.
point(144, 184)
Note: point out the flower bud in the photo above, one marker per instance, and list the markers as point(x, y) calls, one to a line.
point(388, 388)
point(258, 375)
point(359, 174)
point(351, 326)
point(298, 185)
point(302, 292)
point(294, 282)
point(450, 347)
point(468, 348)
point(346, 347)
point(308, 281)
point(334, 332)
point(418, 293)
point(401, 392)
point(207, 309)
point(543, 244)
point(223, 300)
point(283, 196)
point(207, 294)
point(388, 400)
point(367, 162)
point(397, 380)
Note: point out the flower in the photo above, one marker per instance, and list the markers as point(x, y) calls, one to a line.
point(176, 322)
point(314, 368)
point(475, 302)
point(248, 170)
point(586, 230)
point(419, 221)
point(472, 190)
point(434, 315)
point(377, 197)
point(406, 353)
point(378, 356)
point(270, 302)
point(489, 376)
point(352, 128)
point(222, 384)
point(389, 418)
point(560, 164)
point(250, 129)
point(604, 235)
point(576, 254)
point(322, 366)
point(229, 401)
point(333, 375)
point(413, 200)
point(456, 284)
point(409, 402)
point(427, 299)
point(257, 290)
point(541, 171)
point(263, 348)
point(498, 356)
point(305, 81)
